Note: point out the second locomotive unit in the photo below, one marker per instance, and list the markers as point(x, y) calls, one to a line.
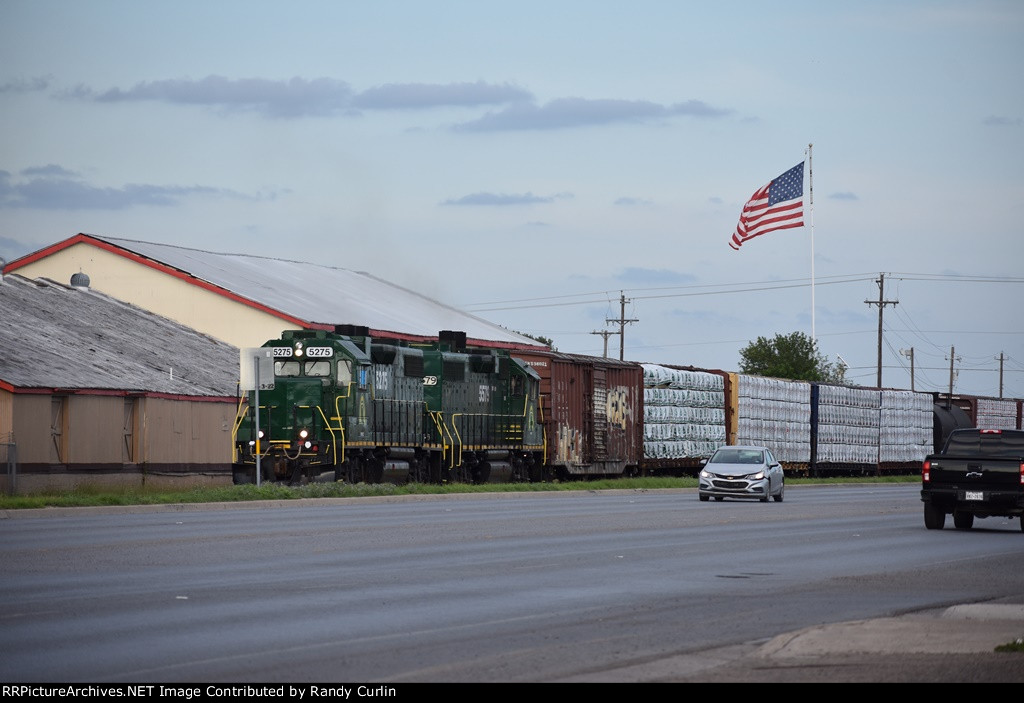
point(347, 407)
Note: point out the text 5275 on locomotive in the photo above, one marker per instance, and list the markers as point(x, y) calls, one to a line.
point(363, 409)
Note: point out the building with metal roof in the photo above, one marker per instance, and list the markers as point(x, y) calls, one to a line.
point(245, 299)
point(96, 390)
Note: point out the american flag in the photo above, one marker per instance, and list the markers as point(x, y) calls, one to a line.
point(777, 205)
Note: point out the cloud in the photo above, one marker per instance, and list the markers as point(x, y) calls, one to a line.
point(295, 97)
point(26, 86)
point(627, 201)
point(11, 249)
point(53, 187)
point(300, 97)
point(501, 199)
point(423, 95)
point(579, 112)
point(844, 196)
point(994, 121)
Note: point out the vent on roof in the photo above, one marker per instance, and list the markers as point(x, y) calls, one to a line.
point(79, 280)
point(456, 341)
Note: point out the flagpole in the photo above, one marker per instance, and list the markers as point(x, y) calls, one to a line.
point(810, 178)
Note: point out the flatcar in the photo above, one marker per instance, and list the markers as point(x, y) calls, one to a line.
point(347, 407)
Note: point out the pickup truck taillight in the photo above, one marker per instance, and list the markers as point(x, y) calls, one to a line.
point(1022, 474)
point(926, 469)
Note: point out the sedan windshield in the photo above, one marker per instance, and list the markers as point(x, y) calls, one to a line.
point(737, 456)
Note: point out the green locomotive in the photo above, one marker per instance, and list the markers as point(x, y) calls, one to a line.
point(348, 407)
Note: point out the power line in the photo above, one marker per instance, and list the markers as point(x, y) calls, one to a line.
point(720, 289)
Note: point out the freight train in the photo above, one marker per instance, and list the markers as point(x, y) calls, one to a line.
point(345, 406)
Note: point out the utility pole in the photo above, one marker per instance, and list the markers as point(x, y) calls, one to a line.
point(952, 358)
point(606, 334)
point(622, 322)
point(881, 303)
point(1001, 358)
point(910, 353)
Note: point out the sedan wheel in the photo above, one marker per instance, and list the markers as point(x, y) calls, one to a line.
point(782, 492)
point(703, 498)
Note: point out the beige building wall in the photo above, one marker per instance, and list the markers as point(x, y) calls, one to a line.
point(180, 433)
point(6, 414)
point(73, 440)
point(166, 295)
point(32, 428)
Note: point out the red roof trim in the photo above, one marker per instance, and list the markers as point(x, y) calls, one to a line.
point(156, 265)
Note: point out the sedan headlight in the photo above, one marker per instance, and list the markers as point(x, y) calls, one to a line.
point(755, 477)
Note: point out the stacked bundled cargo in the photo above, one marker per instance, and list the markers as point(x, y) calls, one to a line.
point(907, 432)
point(684, 413)
point(847, 429)
point(776, 414)
point(993, 414)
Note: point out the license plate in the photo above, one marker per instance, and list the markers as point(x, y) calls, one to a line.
point(974, 495)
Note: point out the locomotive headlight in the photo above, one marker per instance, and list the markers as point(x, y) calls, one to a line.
point(298, 349)
point(260, 435)
point(303, 434)
point(308, 444)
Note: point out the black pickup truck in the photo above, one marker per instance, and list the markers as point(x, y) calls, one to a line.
point(979, 473)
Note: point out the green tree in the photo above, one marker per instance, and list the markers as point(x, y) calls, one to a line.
point(794, 356)
point(538, 338)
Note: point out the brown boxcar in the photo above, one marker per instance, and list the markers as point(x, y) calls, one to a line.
point(592, 411)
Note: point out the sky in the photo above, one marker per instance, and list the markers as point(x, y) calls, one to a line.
point(551, 166)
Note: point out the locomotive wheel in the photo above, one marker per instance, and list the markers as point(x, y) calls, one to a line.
point(482, 473)
point(419, 472)
point(374, 471)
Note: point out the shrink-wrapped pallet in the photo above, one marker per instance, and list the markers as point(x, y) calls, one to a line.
point(775, 413)
point(684, 413)
point(906, 434)
point(995, 414)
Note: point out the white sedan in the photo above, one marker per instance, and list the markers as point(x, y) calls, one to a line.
point(742, 472)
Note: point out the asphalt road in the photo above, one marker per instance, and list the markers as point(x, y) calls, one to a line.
point(834, 584)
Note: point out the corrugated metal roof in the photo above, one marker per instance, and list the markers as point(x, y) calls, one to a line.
point(321, 294)
point(54, 336)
